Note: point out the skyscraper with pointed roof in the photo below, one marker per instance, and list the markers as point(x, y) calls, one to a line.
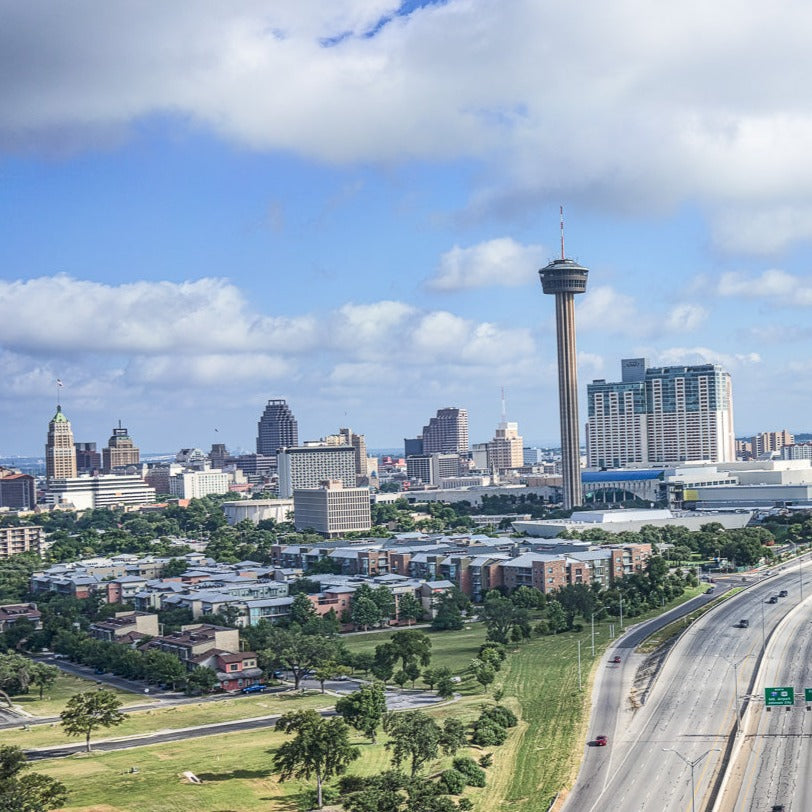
point(60, 453)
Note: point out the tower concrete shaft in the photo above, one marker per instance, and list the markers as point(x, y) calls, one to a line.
point(563, 278)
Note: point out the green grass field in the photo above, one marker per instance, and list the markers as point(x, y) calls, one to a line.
point(56, 697)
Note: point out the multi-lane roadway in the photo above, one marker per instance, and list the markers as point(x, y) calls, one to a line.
point(691, 712)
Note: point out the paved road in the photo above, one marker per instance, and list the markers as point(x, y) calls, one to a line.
point(772, 763)
point(690, 709)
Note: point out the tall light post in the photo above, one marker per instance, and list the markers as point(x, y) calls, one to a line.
point(763, 635)
point(579, 665)
point(736, 706)
point(800, 571)
point(593, 634)
point(621, 611)
point(691, 764)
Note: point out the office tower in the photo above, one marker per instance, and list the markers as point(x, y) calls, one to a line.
point(430, 469)
point(332, 509)
point(17, 490)
point(563, 278)
point(120, 452)
point(88, 459)
point(667, 415)
point(277, 428)
point(412, 446)
point(447, 433)
point(60, 454)
point(505, 450)
point(307, 466)
point(218, 455)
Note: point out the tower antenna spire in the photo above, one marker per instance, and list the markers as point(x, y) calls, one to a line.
point(561, 212)
point(504, 413)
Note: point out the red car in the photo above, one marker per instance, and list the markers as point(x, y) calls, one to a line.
point(616, 658)
point(601, 741)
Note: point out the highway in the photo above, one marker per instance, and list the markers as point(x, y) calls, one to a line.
point(690, 710)
point(772, 763)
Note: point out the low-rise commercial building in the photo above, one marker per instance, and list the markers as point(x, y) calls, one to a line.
point(331, 509)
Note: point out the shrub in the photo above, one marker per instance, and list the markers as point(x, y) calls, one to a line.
point(501, 715)
point(452, 782)
point(486, 760)
point(488, 733)
point(474, 776)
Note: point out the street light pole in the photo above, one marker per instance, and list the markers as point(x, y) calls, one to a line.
point(800, 571)
point(691, 764)
point(736, 706)
point(579, 665)
point(621, 612)
point(763, 635)
point(593, 634)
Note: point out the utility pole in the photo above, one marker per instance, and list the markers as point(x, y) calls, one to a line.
point(593, 634)
point(621, 612)
point(579, 665)
point(691, 764)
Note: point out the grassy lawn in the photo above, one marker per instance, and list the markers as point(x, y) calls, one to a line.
point(455, 650)
point(235, 769)
point(56, 697)
point(179, 716)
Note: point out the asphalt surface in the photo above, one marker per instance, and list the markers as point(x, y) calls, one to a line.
point(691, 708)
point(772, 763)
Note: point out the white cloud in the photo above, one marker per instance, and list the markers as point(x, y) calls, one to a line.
point(677, 356)
point(621, 121)
point(604, 308)
point(208, 370)
point(773, 284)
point(685, 317)
point(501, 261)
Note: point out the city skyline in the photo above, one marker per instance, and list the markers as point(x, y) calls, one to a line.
point(184, 236)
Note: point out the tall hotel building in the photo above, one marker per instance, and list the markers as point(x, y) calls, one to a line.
point(447, 433)
point(308, 466)
point(660, 415)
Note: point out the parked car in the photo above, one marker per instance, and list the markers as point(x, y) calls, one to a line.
point(601, 741)
point(256, 688)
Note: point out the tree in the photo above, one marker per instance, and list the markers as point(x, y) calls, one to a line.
point(445, 682)
point(320, 748)
point(364, 709)
point(484, 673)
point(302, 610)
point(163, 668)
point(412, 671)
point(411, 646)
point(453, 736)
point(328, 670)
point(385, 601)
point(86, 712)
point(32, 792)
point(447, 615)
point(15, 675)
point(365, 612)
point(400, 678)
point(409, 608)
point(414, 736)
point(43, 676)
point(502, 616)
point(201, 681)
point(174, 567)
point(297, 652)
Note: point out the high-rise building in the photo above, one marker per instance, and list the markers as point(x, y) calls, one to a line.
point(307, 466)
point(332, 509)
point(768, 441)
point(197, 484)
point(564, 278)
point(60, 454)
point(88, 460)
point(359, 443)
point(447, 433)
point(666, 415)
point(277, 428)
point(17, 491)
point(218, 455)
point(430, 469)
point(120, 452)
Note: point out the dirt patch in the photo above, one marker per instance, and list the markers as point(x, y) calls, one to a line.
point(646, 674)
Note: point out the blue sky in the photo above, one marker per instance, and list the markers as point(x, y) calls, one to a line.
point(346, 204)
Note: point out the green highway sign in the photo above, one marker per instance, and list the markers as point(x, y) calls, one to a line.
point(808, 694)
point(780, 696)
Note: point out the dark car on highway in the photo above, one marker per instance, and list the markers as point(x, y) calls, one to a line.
point(773, 599)
point(615, 659)
point(783, 593)
point(601, 741)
